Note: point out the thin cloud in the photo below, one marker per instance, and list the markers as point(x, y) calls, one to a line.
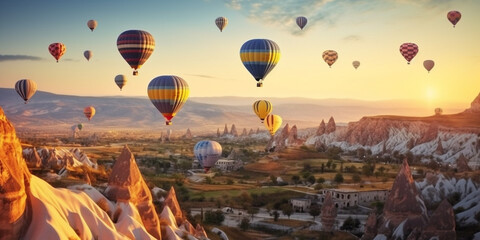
point(4, 58)
point(282, 13)
point(202, 76)
point(352, 38)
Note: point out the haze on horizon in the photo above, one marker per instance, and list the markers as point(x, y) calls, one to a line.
point(188, 44)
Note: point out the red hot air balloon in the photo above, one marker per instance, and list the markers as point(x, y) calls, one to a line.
point(57, 50)
point(454, 17)
point(408, 51)
point(135, 46)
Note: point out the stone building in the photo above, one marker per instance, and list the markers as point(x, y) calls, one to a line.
point(350, 197)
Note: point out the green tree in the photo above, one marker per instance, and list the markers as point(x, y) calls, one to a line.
point(287, 210)
point(295, 179)
point(356, 178)
point(311, 179)
point(338, 178)
point(275, 215)
point(320, 180)
point(350, 224)
point(314, 210)
point(244, 224)
point(214, 217)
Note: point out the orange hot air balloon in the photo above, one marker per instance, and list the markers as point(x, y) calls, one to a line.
point(57, 50)
point(330, 56)
point(89, 112)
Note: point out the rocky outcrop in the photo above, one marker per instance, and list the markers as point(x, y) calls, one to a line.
point(200, 232)
point(225, 130)
point(188, 134)
point(126, 184)
point(439, 150)
point(14, 182)
point(475, 105)
point(218, 132)
point(370, 227)
point(429, 135)
point(251, 132)
point(462, 164)
point(328, 213)
point(321, 129)
point(172, 203)
point(244, 132)
point(441, 223)
point(331, 126)
point(32, 158)
point(233, 131)
point(288, 137)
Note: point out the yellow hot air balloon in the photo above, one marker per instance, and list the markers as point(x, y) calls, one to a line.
point(262, 108)
point(273, 122)
point(89, 112)
point(330, 56)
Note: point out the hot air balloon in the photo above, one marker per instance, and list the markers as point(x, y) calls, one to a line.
point(330, 56)
point(89, 112)
point(454, 17)
point(92, 24)
point(428, 64)
point(301, 22)
point(262, 108)
point(207, 153)
point(88, 54)
point(273, 122)
point(259, 57)
point(221, 23)
point(168, 94)
point(26, 88)
point(121, 81)
point(356, 64)
point(408, 51)
point(57, 50)
point(135, 46)
point(80, 126)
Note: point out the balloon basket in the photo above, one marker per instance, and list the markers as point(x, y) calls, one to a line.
point(135, 73)
point(259, 84)
point(168, 123)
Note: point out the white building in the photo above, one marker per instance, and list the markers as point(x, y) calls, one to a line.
point(226, 165)
point(351, 197)
point(301, 204)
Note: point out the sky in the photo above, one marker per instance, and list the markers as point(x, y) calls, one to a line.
point(189, 45)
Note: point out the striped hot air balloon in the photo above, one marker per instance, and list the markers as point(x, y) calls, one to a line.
point(262, 108)
point(273, 122)
point(92, 24)
point(89, 112)
point(121, 81)
point(330, 56)
point(135, 46)
point(454, 17)
point(221, 23)
point(356, 64)
point(428, 64)
point(409, 51)
point(301, 22)
point(168, 94)
point(26, 88)
point(207, 153)
point(57, 50)
point(259, 56)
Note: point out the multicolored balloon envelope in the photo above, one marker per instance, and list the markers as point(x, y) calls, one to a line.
point(168, 94)
point(454, 17)
point(330, 57)
point(89, 112)
point(409, 51)
point(57, 50)
point(26, 88)
point(356, 64)
point(92, 24)
point(262, 108)
point(207, 153)
point(428, 64)
point(88, 54)
point(221, 23)
point(135, 46)
point(301, 22)
point(121, 81)
point(259, 56)
point(273, 122)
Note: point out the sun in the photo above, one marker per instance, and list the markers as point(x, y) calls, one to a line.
point(430, 93)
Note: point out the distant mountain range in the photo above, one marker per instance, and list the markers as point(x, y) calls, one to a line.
point(51, 111)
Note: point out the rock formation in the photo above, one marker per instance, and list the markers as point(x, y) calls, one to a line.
point(430, 135)
point(188, 134)
point(288, 137)
point(225, 130)
point(462, 164)
point(258, 131)
point(475, 105)
point(331, 126)
point(328, 213)
point(200, 232)
point(370, 227)
point(244, 132)
point(14, 182)
point(441, 224)
point(439, 150)
point(251, 132)
point(321, 129)
point(172, 203)
point(32, 158)
point(126, 184)
point(233, 131)
point(169, 135)
point(218, 132)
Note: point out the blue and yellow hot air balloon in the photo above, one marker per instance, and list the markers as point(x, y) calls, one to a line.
point(259, 57)
point(262, 108)
point(273, 122)
point(168, 94)
point(25, 88)
point(207, 153)
point(135, 46)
